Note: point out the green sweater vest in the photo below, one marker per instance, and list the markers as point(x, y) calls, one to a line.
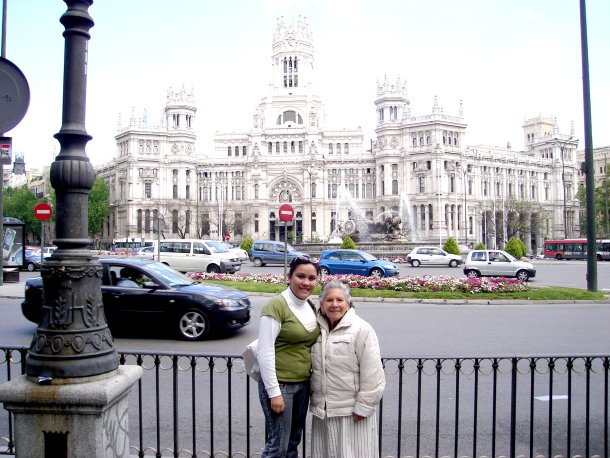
point(293, 343)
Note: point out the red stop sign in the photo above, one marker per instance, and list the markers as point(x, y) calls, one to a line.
point(286, 212)
point(43, 211)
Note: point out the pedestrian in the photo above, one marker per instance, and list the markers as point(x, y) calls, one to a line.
point(347, 381)
point(288, 329)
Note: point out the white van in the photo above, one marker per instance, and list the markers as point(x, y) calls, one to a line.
point(190, 255)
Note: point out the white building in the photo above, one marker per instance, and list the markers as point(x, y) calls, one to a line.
point(419, 168)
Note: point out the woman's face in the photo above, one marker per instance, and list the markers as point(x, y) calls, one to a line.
point(303, 280)
point(334, 305)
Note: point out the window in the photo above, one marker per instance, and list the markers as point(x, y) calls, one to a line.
point(395, 187)
point(187, 222)
point(175, 172)
point(346, 148)
point(422, 185)
point(187, 192)
point(174, 221)
point(236, 151)
point(244, 150)
point(229, 150)
point(175, 191)
point(139, 221)
point(330, 148)
point(147, 190)
point(270, 147)
point(338, 148)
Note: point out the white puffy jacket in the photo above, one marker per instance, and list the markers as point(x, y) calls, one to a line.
point(347, 373)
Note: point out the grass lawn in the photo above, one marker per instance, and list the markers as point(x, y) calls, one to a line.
point(535, 294)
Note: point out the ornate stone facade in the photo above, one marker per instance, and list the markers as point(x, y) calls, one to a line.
point(419, 167)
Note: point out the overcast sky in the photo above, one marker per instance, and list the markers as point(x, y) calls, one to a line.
point(506, 60)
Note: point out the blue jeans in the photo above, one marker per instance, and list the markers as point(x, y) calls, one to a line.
point(285, 430)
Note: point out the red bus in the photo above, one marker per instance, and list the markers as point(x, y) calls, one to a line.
point(575, 249)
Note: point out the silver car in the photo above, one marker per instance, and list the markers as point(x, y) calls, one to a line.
point(431, 255)
point(497, 263)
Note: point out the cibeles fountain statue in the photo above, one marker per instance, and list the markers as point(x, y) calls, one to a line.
point(397, 224)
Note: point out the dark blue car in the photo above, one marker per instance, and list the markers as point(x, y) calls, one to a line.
point(355, 262)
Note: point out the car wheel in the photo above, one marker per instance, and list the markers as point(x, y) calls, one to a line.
point(415, 263)
point(473, 274)
point(453, 263)
point(193, 325)
point(324, 270)
point(523, 275)
point(599, 257)
point(258, 262)
point(213, 269)
point(31, 267)
point(558, 257)
point(376, 272)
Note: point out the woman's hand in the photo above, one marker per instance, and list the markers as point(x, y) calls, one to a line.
point(277, 404)
point(357, 417)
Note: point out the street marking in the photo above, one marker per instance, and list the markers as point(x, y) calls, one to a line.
point(548, 398)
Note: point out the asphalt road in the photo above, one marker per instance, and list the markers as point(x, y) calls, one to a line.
point(404, 329)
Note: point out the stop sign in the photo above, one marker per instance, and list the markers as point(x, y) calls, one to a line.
point(286, 212)
point(43, 211)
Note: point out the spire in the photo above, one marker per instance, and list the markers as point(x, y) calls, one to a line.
point(435, 107)
point(461, 108)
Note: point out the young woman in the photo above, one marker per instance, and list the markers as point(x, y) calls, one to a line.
point(347, 381)
point(288, 329)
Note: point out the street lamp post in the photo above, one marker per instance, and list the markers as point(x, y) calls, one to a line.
point(464, 171)
point(562, 147)
point(72, 338)
point(311, 170)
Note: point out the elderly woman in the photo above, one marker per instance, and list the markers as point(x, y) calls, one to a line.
point(347, 381)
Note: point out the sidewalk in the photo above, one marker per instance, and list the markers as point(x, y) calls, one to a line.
point(14, 290)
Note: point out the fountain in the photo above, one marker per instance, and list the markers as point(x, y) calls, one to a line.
point(390, 225)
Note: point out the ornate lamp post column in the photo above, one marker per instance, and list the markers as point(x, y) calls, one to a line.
point(460, 168)
point(72, 338)
point(311, 172)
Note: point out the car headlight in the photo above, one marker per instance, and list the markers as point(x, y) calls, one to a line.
point(389, 266)
point(230, 304)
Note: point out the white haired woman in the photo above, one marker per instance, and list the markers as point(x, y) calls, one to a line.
point(347, 381)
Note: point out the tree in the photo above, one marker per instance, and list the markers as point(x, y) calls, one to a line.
point(348, 243)
point(516, 247)
point(99, 208)
point(451, 246)
point(246, 244)
point(19, 203)
point(479, 246)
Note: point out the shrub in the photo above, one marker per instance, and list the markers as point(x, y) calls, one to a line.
point(516, 247)
point(348, 243)
point(479, 246)
point(451, 246)
point(246, 244)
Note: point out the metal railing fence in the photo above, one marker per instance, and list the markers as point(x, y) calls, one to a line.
point(520, 406)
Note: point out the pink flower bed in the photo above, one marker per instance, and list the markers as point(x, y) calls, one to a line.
point(424, 283)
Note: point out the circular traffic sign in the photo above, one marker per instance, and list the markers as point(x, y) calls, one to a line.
point(286, 212)
point(43, 211)
point(15, 95)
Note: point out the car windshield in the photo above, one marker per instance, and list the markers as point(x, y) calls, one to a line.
point(509, 256)
point(168, 275)
point(368, 257)
point(217, 247)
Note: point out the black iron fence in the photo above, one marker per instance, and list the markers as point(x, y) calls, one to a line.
point(534, 406)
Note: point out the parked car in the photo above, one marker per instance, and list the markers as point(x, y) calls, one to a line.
point(241, 254)
point(193, 255)
point(430, 255)
point(272, 252)
point(32, 260)
point(147, 252)
point(48, 251)
point(497, 263)
point(355, 262)
point(165, 298)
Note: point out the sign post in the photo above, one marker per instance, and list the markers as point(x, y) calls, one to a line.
point(286, 214)
point(42, 212)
